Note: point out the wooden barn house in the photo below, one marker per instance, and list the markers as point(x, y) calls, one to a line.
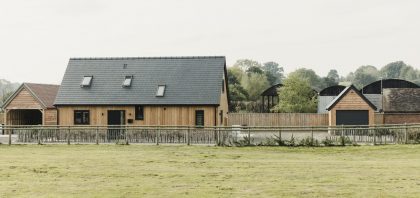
point(31, 104)
point(144, 91)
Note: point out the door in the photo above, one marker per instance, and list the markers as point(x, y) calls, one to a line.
point(352, 117)
point(116, 118)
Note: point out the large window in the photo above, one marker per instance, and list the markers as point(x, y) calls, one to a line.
point(139, 113)
point(199, 118)
point(81, 117)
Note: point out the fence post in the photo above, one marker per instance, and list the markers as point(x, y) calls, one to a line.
point(374, 135)
point(157, 136)
point(249, 136)
point(10, 137)
point(68, 136)
point(312, 136)
point(188, 135)
point(97, 135)
point(280, 137)
point(39, 136)
point(405, 133)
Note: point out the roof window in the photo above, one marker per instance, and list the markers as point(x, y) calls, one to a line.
point(161, 90)
point(127, 81)
point(87, 81)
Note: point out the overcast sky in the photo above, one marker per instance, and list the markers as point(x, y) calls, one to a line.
point(38, 37)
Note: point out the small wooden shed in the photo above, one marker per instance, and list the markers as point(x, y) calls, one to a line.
point(31, 104)
point(351, 108)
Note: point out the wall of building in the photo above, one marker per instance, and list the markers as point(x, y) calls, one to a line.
point(153, 115)
point(24, 100)
point(351, 101)
point(50, 117)
point(223, 106)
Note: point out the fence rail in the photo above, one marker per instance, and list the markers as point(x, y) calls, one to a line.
point(227, 136)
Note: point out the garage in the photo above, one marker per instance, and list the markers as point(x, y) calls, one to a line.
point(351, 107)
point(32, 104)
point(352, 117)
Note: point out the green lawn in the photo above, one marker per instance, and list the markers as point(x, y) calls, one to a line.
point(201, 171)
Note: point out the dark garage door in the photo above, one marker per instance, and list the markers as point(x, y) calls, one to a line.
point(352, 117)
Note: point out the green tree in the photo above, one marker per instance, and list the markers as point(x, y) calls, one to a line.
point(273, 72)
point(332, 78)
point(245, 64)
point(296, 96)
point(309, 75)
point(365, 75)
point(254, 84)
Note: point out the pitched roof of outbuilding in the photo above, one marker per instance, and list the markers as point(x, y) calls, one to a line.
point(344, 92)
point(188, 81)
point(44, 93)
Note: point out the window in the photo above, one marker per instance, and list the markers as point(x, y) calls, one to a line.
point(87, 80)
point(127, 81)
point(139, 113)
point(161, 90)
point(223, 85)
point(199, 118)
point(81, 117)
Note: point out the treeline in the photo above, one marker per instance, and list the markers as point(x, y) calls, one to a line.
point(248, 79)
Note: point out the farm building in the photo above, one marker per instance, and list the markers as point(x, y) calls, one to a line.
point(31, 104)
point(327, 95)
point(144, 91)
point(269, 98)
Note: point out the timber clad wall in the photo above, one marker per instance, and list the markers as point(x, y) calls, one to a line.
point(153, 115)
point(50, 117)
point(2, 118)
point(351, 101)
point(24, 100)
point(278, 119)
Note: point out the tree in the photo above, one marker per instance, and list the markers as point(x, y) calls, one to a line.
point(365, 75)
point(245, 64)
point(254, 84)
point(236, 91)
point(332, 78)
point(296, 96)
point(308, 74)
point(234, 75)
point(273, 72)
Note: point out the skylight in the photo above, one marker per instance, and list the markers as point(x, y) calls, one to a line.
point(86, 82)
point(161, 90)
point(127, 81)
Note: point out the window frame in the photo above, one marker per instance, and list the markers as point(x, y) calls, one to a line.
point(75, 112)
point(163, 92)
point(136, 112)
point(127, 78)
point(83, 80)
point(196, 119)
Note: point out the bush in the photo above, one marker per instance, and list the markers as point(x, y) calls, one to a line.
point(327, 142)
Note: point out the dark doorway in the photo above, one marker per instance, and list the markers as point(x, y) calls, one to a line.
point(352, 117)
point(24, 117)
point(116, 118)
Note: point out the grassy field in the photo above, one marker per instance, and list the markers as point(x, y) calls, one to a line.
point(201, 171)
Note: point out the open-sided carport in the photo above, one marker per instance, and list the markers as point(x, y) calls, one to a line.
point(31, 104)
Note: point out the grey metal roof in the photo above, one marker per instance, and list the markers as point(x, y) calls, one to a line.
point(188, 80)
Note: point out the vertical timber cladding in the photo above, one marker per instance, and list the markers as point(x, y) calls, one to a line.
point(153, 115)
point(351, 105)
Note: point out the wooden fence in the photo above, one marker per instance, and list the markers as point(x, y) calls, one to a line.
point(224, 136)
point(278, 119)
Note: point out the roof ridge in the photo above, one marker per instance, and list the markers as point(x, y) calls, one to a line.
point(151, 57)
point(28, 83)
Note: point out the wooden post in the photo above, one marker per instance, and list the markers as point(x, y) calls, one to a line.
point(405, 133)
point(126, 136)
point(249, 136)
point(188, 135)
point(280, 137)
point(68, 136)
point(39, 136)
point(157, 136)
point(97, 135)
point(374, 135)
point(10, 137)
point(312, 136)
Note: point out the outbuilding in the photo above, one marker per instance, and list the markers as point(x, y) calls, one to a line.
point(351, 108)
point(31, 104)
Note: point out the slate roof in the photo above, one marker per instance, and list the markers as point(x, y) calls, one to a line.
point(188, 80)
point(344, 92)
point(44, 93)
point(402, 100)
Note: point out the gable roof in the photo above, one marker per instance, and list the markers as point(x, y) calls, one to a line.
point(344, 92)
point(188, 81)
point(44, 93)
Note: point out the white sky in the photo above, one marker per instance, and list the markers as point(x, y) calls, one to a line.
point(38, 37)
